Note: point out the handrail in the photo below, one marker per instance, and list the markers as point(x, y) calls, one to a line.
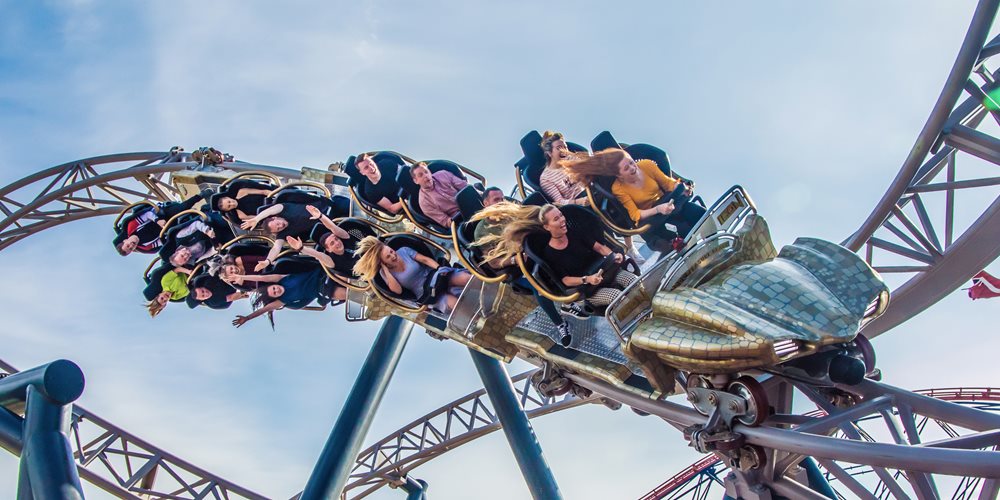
point(541, 289)
point(422, 227)
point(130, 207)
point(170, 221)
point(252, 173)
point(326, 190)
point(371, 212)
point(604, 218)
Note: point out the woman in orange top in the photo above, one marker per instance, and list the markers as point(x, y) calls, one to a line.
point(649, 195)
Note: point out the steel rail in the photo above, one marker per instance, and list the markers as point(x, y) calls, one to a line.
point(966, 60)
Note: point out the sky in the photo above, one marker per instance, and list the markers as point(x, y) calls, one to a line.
point(811, 107)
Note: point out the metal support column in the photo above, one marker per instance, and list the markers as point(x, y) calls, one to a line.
point(520, 436)
point(817, 481)
point(47, 469)
point(416, 489)
point(330, 475)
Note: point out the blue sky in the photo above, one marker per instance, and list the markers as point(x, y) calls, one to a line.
point(812, 107)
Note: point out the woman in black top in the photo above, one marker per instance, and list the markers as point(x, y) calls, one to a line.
point(282, 220)
point(576, 256)
point(241, 199)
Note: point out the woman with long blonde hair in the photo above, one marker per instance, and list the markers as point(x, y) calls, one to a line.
point(489, 233)
point(648, 195)
point(408, 269)
point(572, 255)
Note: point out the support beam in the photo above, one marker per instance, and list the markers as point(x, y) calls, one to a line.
point(520, 436)
point(330, 475)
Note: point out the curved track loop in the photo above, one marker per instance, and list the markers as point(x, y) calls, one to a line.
point(128, 467)
point(101, 185)
point(700, 479)
point(900, 235)
point(441, 430)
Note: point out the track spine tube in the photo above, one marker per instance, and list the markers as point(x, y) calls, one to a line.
point(335, 462)
point(521, 437)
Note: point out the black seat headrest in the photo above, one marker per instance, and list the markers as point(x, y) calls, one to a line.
point(469, 202)
point(404, 180)
point(603, 141)
point(536, 199)
point(650, 152)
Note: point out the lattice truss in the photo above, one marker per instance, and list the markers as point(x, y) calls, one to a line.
point(452, 425)
point(130, 468)
point(102, 185)
point(876, 421)
point(927, 236)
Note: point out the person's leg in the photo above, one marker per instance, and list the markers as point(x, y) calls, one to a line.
point(625, 279)
point(550, 309)
point(603, 296)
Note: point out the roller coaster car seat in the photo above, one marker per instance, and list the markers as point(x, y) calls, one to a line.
point(248, 248)
point(153, 281)
point(220, 290)
point(294, 264)
point(431, 289)
point(389, 163)
point(217, 221)
point(231, 190)
point(333, 207)
point(171, 242)
point(474, 255)
point(123, 223)
point(533, 162)
point(537, 199)
point(470, 202)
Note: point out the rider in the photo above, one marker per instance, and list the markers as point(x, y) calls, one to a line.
point(489, 230)
point(556, 185)
point(142, 233)
point(649, 195)
point(438, 193)
point(408, 269)
point(241, 199)
point(379, 187)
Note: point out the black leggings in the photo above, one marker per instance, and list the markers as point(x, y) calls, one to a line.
point(684, 217)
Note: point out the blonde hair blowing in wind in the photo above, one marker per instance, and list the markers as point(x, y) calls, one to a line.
point(529, 219)
point(583, 168)
point(369, 262)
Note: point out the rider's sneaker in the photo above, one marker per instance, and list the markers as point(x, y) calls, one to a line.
point(575, 309)
point(564, 337)
point(633, 253)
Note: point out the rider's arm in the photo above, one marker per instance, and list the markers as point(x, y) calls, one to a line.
point(271, 306)
point(390, 281)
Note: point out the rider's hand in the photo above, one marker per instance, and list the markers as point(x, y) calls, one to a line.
point(261, 265)
point(666, 208)
point(313, 212)
point(249, 223)
point(618, 257)
point(294, 243)
point(238, 322)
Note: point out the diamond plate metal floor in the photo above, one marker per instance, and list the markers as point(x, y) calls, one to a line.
point(592, 336)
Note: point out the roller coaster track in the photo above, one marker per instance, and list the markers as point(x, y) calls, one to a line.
point(702, 478)
point(935, 255)
point(130, 468)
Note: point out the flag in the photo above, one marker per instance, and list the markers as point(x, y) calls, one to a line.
point(984, 286)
